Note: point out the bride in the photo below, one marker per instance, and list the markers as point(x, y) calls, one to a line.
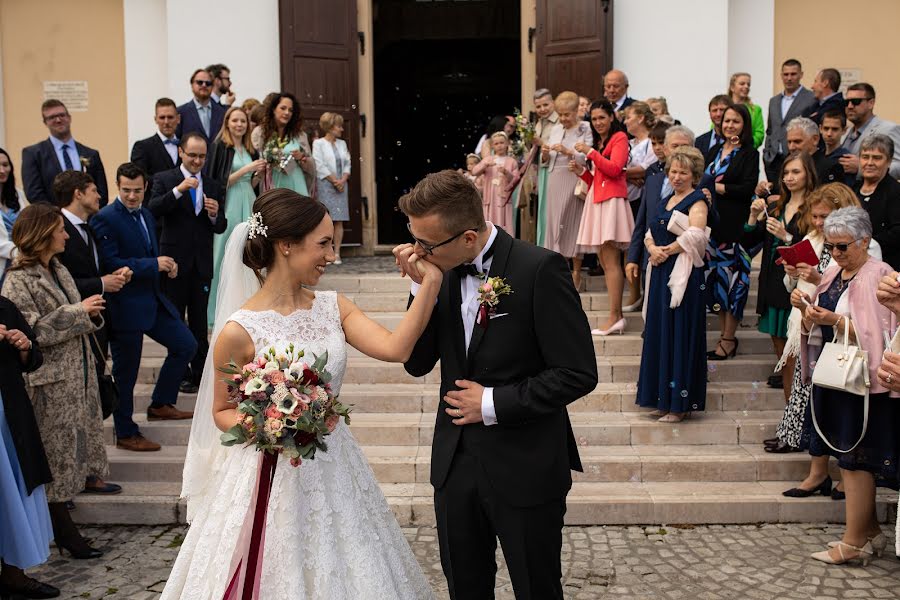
point(328, 531)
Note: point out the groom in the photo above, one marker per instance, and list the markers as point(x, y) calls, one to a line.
point(503, 445)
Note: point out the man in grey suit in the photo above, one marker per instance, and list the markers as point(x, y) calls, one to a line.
point(860, 107)
point(782, 108)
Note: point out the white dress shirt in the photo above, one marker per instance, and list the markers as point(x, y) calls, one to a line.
point(172, 149)
point(77, 222)
point(469, 310)
point(199, 195)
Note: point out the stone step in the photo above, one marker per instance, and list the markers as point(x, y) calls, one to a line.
point(590, 428)
point(588, 503)
point(616, 369)
point(607, 397)
point(629, 344)
point(412, 464)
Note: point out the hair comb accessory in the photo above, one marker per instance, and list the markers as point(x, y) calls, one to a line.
point(256, 226)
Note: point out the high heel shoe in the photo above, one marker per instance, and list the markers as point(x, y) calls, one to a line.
point(634, 306)
point(879, 543)
point(673, 418)
point(66, 534)
point(79, 549)
point(864, 554)
point(713, 355)
point(618, 327)
point(31, 588)
point(823, 488)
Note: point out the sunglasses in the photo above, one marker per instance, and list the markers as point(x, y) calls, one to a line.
point(842, 247)
point(203, 83)
point(855, 101)
point(429, 248)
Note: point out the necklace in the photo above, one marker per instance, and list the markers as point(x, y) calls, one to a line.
point(842, 283)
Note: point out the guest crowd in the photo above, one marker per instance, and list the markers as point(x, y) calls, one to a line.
point(85, 276)
point(616, 185)
point(619, 176)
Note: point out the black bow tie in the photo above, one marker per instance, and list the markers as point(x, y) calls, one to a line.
point(470, 268)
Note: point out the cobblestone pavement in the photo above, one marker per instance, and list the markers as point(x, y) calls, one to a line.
point(765, 562)
point(364, 265)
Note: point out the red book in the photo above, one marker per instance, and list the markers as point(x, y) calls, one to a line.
point(798, 253)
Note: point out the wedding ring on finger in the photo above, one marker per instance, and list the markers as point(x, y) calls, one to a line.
point(459, 412)
point(890, 376)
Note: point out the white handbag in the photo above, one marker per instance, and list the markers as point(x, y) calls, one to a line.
point(844, 368)
point(680, 222)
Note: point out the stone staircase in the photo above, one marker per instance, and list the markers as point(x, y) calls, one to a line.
point(710, 468)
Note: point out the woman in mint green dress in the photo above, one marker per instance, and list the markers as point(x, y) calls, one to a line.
point(233, 160)
point(284, 146)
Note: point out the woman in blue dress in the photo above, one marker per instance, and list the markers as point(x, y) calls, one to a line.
point(672, 376)
point(25, 528)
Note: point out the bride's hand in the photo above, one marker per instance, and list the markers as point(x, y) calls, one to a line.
point(427, 271)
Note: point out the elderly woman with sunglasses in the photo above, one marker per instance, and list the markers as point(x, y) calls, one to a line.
point(845, 302)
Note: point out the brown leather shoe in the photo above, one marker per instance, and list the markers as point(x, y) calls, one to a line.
point(137, 443)
point(167, 413)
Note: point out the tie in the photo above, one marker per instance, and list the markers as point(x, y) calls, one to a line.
point(66, 160)
point(193, 192)
point(470, 269)
point(136, 215)
point(172, 141)
point(89, 234)
point(204, 118)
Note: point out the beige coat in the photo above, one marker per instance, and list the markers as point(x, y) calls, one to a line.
point(64, 390)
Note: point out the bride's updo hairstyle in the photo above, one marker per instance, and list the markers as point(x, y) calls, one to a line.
point(287, 216)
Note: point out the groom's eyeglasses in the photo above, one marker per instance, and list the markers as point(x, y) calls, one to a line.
point(429, 248)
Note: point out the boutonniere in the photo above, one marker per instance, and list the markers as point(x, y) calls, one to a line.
point(85, 162)
point(489, 294)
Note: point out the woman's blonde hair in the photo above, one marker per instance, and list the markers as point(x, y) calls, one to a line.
point(833, 195)
point(329, 120)
point(225, 134)
point(499, 134)
point(689, 157)
point(32, 233)
point(566, 99)
point(661, 101)
point(643, 110)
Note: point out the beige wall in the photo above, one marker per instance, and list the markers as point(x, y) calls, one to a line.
point(529, 59)
point(823, 33)
point(367, 144)
point(49, 40)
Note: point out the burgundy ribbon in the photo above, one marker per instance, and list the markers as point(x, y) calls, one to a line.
point(246, 562)
point(483, 315)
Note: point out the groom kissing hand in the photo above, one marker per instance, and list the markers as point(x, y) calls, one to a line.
point(515, 350)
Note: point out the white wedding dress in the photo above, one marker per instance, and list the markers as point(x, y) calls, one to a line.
point(329, 532)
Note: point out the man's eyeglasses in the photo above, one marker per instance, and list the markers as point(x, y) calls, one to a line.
point(203, 83)
point(59, 116)
point(855, 101)
point(429, 248)
point(842, 247)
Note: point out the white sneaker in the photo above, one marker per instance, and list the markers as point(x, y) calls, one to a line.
point(338, 261)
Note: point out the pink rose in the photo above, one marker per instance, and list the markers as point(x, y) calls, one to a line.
point(275, 377)
point(487, 287)
point(331, 421)
point(252, 367)
point(272, 412)
point(295, 462)
point(261, 361)
point(274, 425)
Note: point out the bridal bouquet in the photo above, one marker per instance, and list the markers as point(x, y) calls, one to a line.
point(286, 406)
point(524, 137)
point(273, 153)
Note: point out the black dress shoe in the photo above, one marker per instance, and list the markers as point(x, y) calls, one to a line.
point(187, 387)
point(824, 488)
point(32, 588)
point(106, 488)
point(771, 441)
point(836, 494)
point(775, 381)
point(781, 448)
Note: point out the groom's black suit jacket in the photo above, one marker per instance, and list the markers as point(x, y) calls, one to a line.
point(538, 358)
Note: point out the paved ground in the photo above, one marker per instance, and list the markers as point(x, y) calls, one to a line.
point(364, 265)
point(765, 562)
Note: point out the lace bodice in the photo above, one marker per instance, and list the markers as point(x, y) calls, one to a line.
point(315, 330)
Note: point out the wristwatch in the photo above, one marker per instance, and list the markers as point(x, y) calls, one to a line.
point(789, 239)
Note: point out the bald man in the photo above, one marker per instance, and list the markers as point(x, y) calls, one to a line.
point(615, 88)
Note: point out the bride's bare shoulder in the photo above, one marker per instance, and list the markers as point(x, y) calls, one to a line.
point(234, 340)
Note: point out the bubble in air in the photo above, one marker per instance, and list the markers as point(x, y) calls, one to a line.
point(684, 393)
point(711, 367)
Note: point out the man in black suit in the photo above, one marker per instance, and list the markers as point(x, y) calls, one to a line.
point(188, 205)
point(713, 137)
point(76, 194)
point(43, 161)
point(503, 445)
point(825, 88)
point(159, 152)
point(201, 113)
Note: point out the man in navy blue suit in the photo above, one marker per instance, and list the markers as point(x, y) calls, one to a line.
point(42, 162)
point(126, 234)
point(826, 88)
point(201, 113)
point(656, 189)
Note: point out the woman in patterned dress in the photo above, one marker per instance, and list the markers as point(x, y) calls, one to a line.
point(333, 170)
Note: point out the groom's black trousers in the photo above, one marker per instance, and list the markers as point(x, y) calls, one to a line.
point(470, 518)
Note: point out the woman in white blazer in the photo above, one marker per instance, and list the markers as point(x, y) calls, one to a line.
point(333, 170)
